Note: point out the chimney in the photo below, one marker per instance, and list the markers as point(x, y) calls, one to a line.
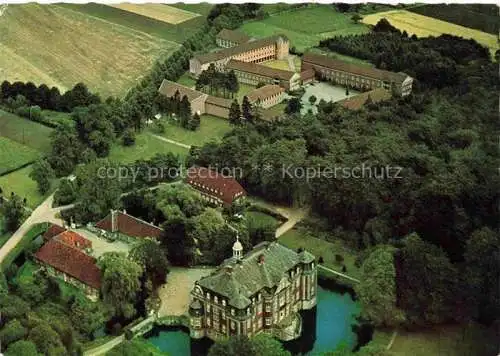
point(114, 220)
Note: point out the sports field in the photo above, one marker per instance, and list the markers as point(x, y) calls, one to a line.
point(58, 46)
point(161, 12)
point(306, 26)
point(25, 132)
point(424, 26)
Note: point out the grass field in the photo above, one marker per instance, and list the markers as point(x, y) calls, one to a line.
point(305, 27)
point(20, 183)
point(146, 146)
point(58, 46)
point(13, 155)
point(424, 26)
point(257, 219)
point(177, 33)
point(58, 117)
point(186, 80)
point(454, 340)
point(161, 12)
point(211, 128)
point(277, 64)
point(296, 238)
point(202, 8)
point(24, 131)
point(341, 57)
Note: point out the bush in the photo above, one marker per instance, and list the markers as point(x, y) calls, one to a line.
point(128, 138)
point(339, 259)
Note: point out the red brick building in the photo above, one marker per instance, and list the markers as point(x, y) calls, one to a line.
point(128, 227)
point(217, 188)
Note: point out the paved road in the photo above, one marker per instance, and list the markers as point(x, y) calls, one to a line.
point(177, 143)
point(44, 212)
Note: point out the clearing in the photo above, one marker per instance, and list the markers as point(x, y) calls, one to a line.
point(335, 254)
point(58, 46)
point(161, 12)
point(211, 128)
point(20, 183)
point(146, 146)
point(25, 132)
point(323, 21)
point(14, 155)
point(424, 26)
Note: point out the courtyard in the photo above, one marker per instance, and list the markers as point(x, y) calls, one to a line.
point(325, 91)
point(100, 245)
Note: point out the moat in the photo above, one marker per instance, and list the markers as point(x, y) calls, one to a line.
point(324, 328)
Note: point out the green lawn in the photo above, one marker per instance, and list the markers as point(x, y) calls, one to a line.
point(186, 80)
point(296, 238)
point(14, 155)
point(24, 131)
point(211, 128)
point(58, 117)
point(26, 271)
point(342, 57)
point(260, 219)
point(146, 146)
point(271, 113)
point(20, 183)
point(244, 90)
point(305, 27)
point(26, 240)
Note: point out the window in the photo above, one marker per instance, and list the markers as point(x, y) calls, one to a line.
point(208, 308)
point(268, 307)
point(208, 321)
point(232, 311)
point(268, 321)
point(233, 325)
point(216, 300)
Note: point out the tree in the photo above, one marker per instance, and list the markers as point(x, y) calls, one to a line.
point(293, 106)
point(246, 109)
point(234, 346)
point(356, 18)
point(426, 283)
point(120, 283)
point(377, 289)
point(22, 347)
point(65, 193)
point(180, 247)
point(65, 150)
point(194, 122)
point(235, 113)
point(128, 138)
point(45, 338)
point(232, 83)
point(94, 127)
point(13, 212)
point(12, 331)
point(312, 99)
point(482, 274)
point(87, 317)
point(265, 344)
point(153, 260)
point(42, 173)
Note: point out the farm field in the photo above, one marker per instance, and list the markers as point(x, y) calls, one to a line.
point(176, 33)
point(323, 21)
point(146, 146)
point(211, 128)
point(202, 8)
point(482, 17)
point(14, 155)
point(20, 183)
point(424, 26)
point(161, 12)
point(25, 132)
point(107, 57)
point(297, 238)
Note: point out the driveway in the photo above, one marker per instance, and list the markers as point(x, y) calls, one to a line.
point(44, 212)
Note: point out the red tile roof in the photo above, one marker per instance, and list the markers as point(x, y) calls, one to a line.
point(130, 226)
point(169, 89)
point(213, 183)
point(307, 74)
point(370, 72)
point(74, 240)
point(52, 231)
point(70, 261)
point(358, 101)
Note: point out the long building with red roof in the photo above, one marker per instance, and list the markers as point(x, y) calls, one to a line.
point(71, 264)
point(217, 188)
point(128, 227)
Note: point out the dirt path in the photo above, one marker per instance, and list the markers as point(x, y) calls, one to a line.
point(175, 294)
point(394, 334)
point(177, 143)
point(44, 212)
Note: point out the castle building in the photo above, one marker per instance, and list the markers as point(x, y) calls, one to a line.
point(266, 96)
point(229, 38)
point(216, 188)
point(201, 103)
point(261, 291)
point(253, 74)
point(357, 76)
point(265, 49)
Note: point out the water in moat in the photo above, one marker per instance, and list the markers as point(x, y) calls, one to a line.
point(324, 328)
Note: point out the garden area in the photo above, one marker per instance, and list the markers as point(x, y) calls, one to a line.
point(211, 128)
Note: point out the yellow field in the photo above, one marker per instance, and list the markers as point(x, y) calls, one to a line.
point(424, 26)
point(159, 12)
point(58, 46)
